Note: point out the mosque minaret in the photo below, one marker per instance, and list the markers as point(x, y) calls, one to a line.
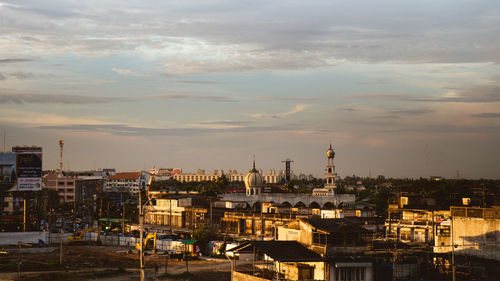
point(330, 170)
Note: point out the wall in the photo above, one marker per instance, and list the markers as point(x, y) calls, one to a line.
point(477, 237)
point(11, 238)
point(238, 276)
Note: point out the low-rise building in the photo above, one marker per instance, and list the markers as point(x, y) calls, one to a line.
point(178, 212)
point(129, 182)
point(414, 225)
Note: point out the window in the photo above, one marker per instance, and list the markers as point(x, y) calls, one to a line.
point(319, 238)
point(350, 274)
point(60, 183)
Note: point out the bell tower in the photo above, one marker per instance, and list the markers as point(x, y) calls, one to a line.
point(330, 169)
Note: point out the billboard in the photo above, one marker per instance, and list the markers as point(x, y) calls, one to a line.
point(8, 174)
point(29, 168)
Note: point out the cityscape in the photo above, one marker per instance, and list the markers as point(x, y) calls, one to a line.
point(250, 140)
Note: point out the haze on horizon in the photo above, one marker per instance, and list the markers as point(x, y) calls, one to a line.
point(401, 88)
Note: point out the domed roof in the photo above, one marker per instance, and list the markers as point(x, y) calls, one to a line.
point(253, 178)
point(330, 153)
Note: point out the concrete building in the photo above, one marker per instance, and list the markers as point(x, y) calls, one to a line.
point(63, 183)
point(200, 175)
point(335, 239)
point(277, 260)
point(231, 175)
point(414, 225)
point(129, 182)
point(178, 212)
point(474, 231)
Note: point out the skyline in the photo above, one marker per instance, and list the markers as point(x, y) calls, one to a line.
point(400, 89)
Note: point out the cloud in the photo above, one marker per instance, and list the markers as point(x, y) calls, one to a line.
point(289, 98)
point(227, 36)
point(125, 130)
point(22, 75)
point(348, 109)
point(411, 112)
point(477, 94)
point(225, 122)
point(202, 82)
point(486, 115)
point(55, 98)
point(126, 72)
point(194, 97)
point(298, 108)
point(14, 60)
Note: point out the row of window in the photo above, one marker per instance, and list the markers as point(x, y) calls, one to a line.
point(350, 274)
point(67, 183)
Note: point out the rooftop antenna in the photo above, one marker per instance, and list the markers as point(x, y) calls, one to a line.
point(61, 144)
point(4, 133)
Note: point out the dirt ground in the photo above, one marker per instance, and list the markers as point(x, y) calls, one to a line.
point(87, 262)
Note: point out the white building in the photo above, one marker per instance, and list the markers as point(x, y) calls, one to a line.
point(232, 176)
point(321, 197)
point(129, 182)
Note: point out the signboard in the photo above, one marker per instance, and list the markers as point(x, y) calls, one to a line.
point(8, 174)
point(29, 168)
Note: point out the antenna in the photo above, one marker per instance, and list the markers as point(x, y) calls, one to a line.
point(61, 144)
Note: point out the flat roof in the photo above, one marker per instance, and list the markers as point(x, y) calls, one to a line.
point(282, 251)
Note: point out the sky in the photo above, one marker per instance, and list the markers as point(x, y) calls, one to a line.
point(400, 88)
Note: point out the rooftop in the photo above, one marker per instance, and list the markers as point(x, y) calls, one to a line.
point(282, 251)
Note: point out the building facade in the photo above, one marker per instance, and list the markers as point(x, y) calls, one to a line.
point(63, 183)
point(129, 182)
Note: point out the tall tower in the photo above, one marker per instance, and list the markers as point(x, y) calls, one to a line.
point(61, 144)
point(287, 169)
point(330, 169)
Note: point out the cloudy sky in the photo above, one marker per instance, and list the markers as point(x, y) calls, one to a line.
point(401, 88)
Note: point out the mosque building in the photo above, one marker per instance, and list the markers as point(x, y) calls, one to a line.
point(320, 198)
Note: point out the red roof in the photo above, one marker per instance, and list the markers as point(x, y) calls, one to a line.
point(126, 176)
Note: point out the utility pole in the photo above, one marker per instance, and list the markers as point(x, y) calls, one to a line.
point(19, 246)
point(141, 218)
point(123, 216)
point(452, 250)
point(24, 212)
point(61, 244)
point(170, 216)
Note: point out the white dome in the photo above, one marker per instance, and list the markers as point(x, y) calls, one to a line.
point(253, 179)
